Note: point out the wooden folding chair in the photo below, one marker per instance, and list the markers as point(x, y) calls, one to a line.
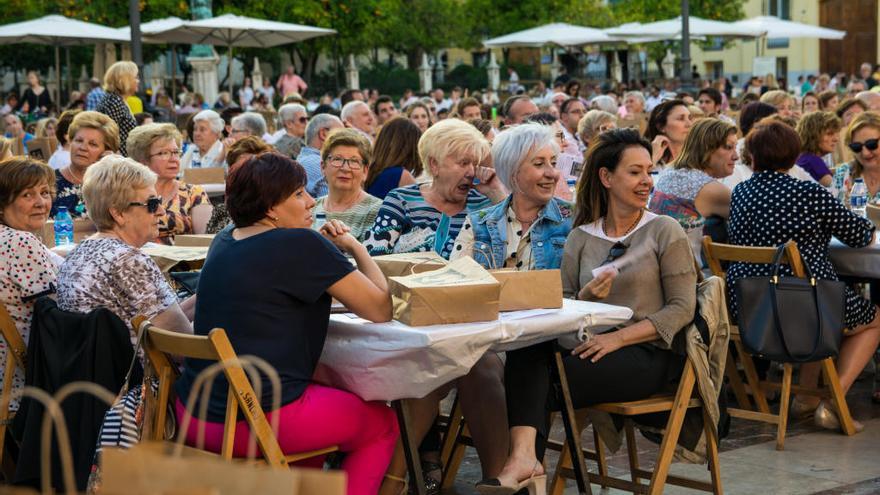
point(16, 355)
point(160, 344)
point(676, 404)
point(714, 254)
point(456, 438)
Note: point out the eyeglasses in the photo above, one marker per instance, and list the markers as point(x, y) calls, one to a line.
point(871, 144)
point(616, 251)
point(152, 204)
point(302, 120)
point(339, 162)
point(167, 154)
point(234, 131)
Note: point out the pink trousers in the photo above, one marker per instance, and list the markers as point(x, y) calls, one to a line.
point(365, 431)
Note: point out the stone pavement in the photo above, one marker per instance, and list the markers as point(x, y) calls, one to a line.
point(814, 461)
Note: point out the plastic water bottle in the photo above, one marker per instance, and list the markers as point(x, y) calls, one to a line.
point(572, 187)
point(858, 198)
point(63, 227)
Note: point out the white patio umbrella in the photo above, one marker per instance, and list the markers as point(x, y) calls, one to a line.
point(635, 40)
point(59, 31)
point(148, 32)
point(559, 33)
point(774, 27)
point(233, 30)
point(671, 29)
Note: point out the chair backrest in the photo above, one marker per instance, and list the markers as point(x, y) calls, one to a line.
point(160, 344)
point(16, 354)
point(715, 253)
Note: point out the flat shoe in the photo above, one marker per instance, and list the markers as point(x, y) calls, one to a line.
point(535, 485)
point(825, 417)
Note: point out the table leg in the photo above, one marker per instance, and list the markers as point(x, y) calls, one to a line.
point(410, 447)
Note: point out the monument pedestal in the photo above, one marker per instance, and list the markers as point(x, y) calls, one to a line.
point(204, 77)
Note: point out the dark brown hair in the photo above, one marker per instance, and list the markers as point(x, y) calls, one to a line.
point(813, 126)
point(64, 124)
point(396, 144)
point(20, 173)
point(752, 113)
point(470, 101)
point(659, 115)
point(773, 145)
point(824, 97)
point(261, 183)
point(591, 196)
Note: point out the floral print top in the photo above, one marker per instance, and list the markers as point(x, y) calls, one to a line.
point(67, 194)
point(177, 219)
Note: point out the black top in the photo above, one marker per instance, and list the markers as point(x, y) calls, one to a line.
point(34, 101)
point(113, 106)
point(269, 292)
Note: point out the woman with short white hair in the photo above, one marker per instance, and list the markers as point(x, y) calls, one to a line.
point(595, 122)
point(207, 148)
point(534, 221)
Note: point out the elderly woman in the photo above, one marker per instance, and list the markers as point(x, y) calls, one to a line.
point(207, 149)
point(420, 114)
point(187, 208)
point(651, 271)
point(425, 217)
point(345, 160)
point(668, 128)
point(862, 137)
point(109, 269)
point(804, 212)
point(527, 230)
point(92, 135)
point(246, 124)
point(784, 102)
point(595, 122)
point(819, 133)
point(238, 154)
point(395, 160)
point(120, 82)
point(690, 191)
point(26, 267)
point(272, 274)
point(634, 105)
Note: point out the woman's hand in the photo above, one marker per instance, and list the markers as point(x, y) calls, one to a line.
point(598, 288)
point(489, 184)
point(339, 234)
point(598, 346)
point(659, 146)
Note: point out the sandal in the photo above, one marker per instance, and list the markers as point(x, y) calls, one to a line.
point(432, 485)
point(405, 488)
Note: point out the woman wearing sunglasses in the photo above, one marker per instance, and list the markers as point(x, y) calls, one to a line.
point(863, 140)
point(187, 207)
point(344, 162)
point(617, 253)
point(108, 269)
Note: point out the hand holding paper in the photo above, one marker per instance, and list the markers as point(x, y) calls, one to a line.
point(599, 288)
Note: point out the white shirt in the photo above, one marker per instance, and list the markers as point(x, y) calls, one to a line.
point(59, 159)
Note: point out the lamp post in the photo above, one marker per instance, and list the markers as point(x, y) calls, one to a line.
point(685, 75)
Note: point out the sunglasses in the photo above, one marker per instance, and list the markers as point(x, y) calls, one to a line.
point(152, 204)
point(616, 251)
point(871, 144)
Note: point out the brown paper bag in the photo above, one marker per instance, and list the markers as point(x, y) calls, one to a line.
point(873, 214)
point(532, 289)
point(208, 175)
point(460, 292)
point(193, 240)
point(403, 264)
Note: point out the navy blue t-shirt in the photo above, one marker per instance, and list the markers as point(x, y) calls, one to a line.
point(269, 293)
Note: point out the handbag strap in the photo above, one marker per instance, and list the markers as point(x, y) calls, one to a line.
point(778, 324)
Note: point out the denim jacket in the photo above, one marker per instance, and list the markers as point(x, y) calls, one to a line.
point(548, 234)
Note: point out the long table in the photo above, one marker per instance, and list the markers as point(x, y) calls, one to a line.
point(862, 263)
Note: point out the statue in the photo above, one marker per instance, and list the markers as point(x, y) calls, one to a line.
point(201, 9)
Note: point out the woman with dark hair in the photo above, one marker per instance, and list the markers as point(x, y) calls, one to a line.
point(395, 157)
point(668, 127)
point(652, 271)
point(268, 282)
point(748, 117)
point(802, 211)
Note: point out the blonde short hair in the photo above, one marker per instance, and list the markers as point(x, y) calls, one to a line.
point(775, 97)
point(141, 138)
point(452, 137)
point(110, 184)
point(116, 78)
point(588, 126)
point(348, 137)
point(96, 120)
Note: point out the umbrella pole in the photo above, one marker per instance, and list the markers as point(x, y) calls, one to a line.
point(173, 74)
point(57, 77)
point(229, 72)
point(69, 72)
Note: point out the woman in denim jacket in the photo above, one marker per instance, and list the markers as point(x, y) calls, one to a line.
point(526, 231)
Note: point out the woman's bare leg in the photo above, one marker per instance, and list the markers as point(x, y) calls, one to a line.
point(481, 394)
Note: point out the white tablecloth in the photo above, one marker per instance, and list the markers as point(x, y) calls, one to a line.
point(855, 262)
point(390, 361)
point(217, 189)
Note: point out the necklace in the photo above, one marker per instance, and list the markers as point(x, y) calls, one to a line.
point(630, 229)
point(78, 179)
point(520, 220)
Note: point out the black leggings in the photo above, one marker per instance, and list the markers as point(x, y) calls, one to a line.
point(631, 373)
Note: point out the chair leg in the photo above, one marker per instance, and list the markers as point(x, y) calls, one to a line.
point(752, 378)
point(838, 398)
point(453, 462)
point(783, 406)
point(600, 457)
point(572, 432)
point(736, 383)
point(632, 451)
point(673, 429)
point(453, 429)
point(712, 454)
point(557, 484)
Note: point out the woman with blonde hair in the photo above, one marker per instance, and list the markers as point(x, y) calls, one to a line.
point(819, 133)
point(862, 138)
point(595, 122)
point(120, 82)
point(187, 207)
point(46, 127)
point(92, 136)
point(690, 191)
point(780, 99)
point(5, 148)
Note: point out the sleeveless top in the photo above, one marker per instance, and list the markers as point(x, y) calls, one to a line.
point(387, 180)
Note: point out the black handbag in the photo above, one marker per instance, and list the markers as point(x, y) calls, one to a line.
point(790, 319)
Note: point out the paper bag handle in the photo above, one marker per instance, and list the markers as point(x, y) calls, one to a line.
point(412, 269)
point(487, 254)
